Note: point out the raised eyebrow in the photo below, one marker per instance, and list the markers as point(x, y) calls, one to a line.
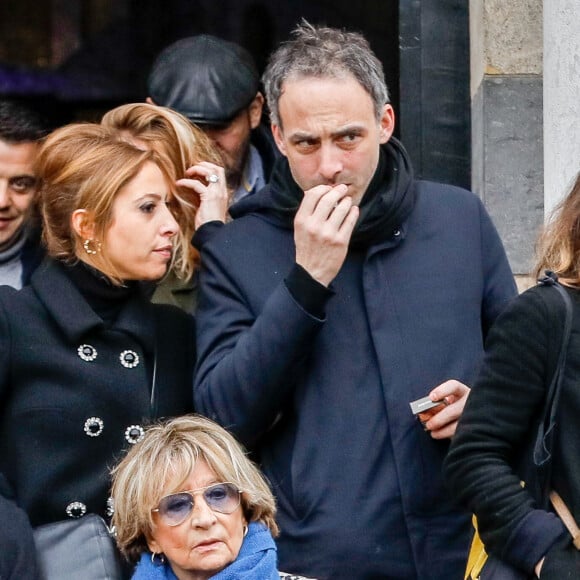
point(297, 137)
point(352, 130)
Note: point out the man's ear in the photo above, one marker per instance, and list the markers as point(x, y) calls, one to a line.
point(279, 138)
point(83, 224)
point(150, 101)
point(255, 110)
point(387, 123)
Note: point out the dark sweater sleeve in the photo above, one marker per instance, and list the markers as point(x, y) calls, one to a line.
point(205, 233)
point(246, 357)
point(495, 426)
point(309, 293)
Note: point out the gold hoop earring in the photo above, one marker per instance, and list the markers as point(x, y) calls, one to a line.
point(87, 246)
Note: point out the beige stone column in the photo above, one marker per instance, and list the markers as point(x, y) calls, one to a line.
point(506, 92)
point(561, 98)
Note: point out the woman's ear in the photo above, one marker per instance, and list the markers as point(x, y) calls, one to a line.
point(83, 224)
point(152, 544)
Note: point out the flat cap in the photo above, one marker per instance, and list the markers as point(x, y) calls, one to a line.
point(207, 79)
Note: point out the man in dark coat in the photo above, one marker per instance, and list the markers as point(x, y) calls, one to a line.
point(341, 293)
point(21, 129)
point(215, 84)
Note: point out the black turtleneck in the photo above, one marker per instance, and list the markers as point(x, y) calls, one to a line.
point(105, 298)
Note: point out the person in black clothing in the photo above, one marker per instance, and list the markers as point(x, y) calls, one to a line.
point(215, 84)
point(500, 416)
point(85, 359)
point(21, 130)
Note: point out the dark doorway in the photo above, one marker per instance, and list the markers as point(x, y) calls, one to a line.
point(88, 57)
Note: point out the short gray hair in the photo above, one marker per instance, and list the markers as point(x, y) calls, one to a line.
point(323, 52)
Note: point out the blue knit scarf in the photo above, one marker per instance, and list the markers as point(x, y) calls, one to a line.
point(257, 559)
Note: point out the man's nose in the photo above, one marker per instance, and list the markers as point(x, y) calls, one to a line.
point(330, 162)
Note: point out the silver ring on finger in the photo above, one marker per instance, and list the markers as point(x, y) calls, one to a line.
point(213, 178)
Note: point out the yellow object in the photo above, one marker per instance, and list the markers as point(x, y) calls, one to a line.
point(477, 555)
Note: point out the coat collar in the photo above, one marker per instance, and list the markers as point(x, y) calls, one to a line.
point(76, 318)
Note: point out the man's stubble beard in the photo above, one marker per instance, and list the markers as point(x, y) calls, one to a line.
point(234, 174)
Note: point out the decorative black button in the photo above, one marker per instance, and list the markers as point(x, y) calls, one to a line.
point(129, 359)
point(76, 509)
point(94, 426)
point(134, 434)
point(87, 352)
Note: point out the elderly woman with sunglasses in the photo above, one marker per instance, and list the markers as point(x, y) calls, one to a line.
point(189, 505)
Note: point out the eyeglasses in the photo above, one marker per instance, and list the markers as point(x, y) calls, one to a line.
point(175, 508)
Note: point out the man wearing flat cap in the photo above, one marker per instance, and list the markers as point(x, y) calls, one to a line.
point(215, 84)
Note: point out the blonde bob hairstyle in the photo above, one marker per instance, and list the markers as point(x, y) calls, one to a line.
point(558, 247)
point(167, 455)
point(172, 135)
point(84, 166)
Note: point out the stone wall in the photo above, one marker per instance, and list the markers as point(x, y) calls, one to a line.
point(561, 98)
point(507, 128)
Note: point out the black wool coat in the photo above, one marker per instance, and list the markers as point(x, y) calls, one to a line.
point(501, 417)
point(74, 392)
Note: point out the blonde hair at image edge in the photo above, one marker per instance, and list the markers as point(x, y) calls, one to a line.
point(84, 166)
point(172, 135)
point(168, 454)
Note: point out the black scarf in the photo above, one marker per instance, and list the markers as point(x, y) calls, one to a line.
point(386, 204)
